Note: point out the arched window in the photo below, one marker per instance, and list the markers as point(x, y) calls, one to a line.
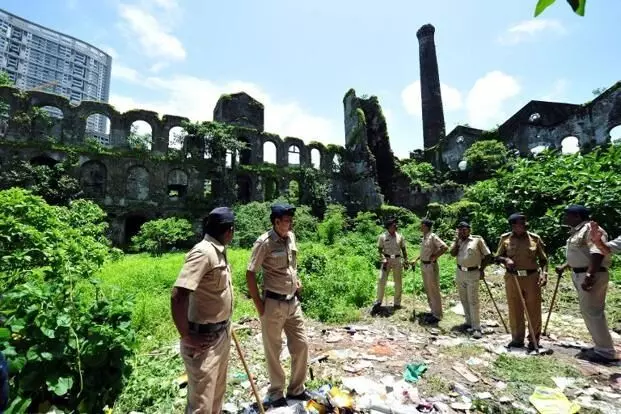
point(97, 129)
point(140, 136)
point(294, 155)
point(137, 183)
point(570, 145)
point(316, 158)
point(269, 152)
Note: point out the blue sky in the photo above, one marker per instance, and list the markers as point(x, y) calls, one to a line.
point(299, 58)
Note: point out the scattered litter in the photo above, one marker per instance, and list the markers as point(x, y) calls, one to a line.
point(413, 372)
point(448, 341)
point(358, 367)
point(361, 385)
point(461, 406)
point(490, 324)
point(501, 385)
point(465, 372)
point(484, 395)
point(487, 331)
point(434, 331)
point(552, 401)
point(379, 349)
point(505, 399)
point(563, 382)
point(458, 309)
point(474, 361)
point(229, 408)
point(460, 389)
point(181, 380)
point(374, 358)
point(441, 407)
point(334, 338)
point(573, 344)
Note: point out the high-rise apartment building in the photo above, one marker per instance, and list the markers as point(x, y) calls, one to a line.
point(39, 58)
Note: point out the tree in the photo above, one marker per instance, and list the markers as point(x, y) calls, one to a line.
point(217, 137)
point(138, 141)
point(598, 91)
point(158, 236)
point(577, 6)
point(5, 80)
point(421, 174)
point(484, 157)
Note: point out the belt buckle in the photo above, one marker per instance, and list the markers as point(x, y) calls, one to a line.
point(522, 273)
point(289, 297)
point(393, 256)
point(463, 268)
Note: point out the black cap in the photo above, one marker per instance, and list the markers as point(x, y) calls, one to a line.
point(279, 210)
point(426, 222)
point(221, 215)
point(390, 221)
point(577, 209)
point(463, 224)
point(515, 217)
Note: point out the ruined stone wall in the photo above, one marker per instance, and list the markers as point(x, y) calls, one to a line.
point(545, 124)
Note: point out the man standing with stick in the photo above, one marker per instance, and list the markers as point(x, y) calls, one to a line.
point(526, 265)
point(202, 305)
point(473, 256)
point(589, 271)
point(431, 248)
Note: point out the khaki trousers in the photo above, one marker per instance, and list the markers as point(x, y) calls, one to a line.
point(206, 371)
point(431, 284)
point(529, 285)
point(287, 316)
point(592, 307)
point(468, 287)
point(396, 267)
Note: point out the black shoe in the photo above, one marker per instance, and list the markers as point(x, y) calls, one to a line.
point(593, 356)
point(476, 334)
point(431, 320)
point(397, 307)
point(303, 396)
point(377, 306)
point(515, 344)
point(281, 402)
point(531, 347)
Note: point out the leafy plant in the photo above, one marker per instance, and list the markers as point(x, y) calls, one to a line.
point(64, 351)
point(158, 236)
point(333, 224)
point(421, 174)
point(578, 6)
point(217, 138)
point(138, 141)
point(485, 157)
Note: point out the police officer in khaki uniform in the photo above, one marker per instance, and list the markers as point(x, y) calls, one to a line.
point(524, 257)
point(391, 248)
point(589, 271)
point(473, 256)
point(431, 248)
point(279, 309)
point(202, 304)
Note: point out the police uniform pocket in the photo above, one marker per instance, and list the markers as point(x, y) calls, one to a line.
point(220, 276)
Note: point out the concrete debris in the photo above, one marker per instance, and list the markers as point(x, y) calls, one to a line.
point(458, 309)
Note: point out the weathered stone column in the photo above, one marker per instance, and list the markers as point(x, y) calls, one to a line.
point(431, 97)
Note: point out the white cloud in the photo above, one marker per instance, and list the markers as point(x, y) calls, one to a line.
point(120, 71)
point(195, 98)
point(558, 92)
point(486, 98)
point(167, 4)
point(529, 29)
point(410, 96)
point(153, 37)
point(111, 51)
point(155, 68)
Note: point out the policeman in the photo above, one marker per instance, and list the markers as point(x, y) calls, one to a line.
point(473, 256)
point(202, 304)
point(431, 248)
point(589, 271)
point(279, 309)
point(524, 257)
point(391, 247)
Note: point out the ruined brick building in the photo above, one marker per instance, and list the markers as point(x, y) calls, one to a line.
point(364, 173)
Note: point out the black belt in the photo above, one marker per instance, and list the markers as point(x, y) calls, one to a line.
point(467, 269)
point(278, 296)
point(520, 272)
point(584, 269)
point(392, 256)
point(203, 328)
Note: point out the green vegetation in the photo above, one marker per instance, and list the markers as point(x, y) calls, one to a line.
point(159, 236)
point(67, 344)
point(485, 157)
point(578, 6)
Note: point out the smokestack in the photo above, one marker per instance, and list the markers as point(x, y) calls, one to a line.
point(431, 97)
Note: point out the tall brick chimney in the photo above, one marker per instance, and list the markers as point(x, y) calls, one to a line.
point(431, 97)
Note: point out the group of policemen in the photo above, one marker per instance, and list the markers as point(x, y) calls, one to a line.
point(202, 297)
point(526, 271)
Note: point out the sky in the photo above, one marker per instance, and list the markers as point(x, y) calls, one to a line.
point(300, 58)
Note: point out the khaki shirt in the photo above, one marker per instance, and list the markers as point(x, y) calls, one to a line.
point(471, 251)
point(277, 257)
point(207, 274)
point(525, 251)
point(580, 247)
point(391, 245)
point(615, 245)
point(430, 245)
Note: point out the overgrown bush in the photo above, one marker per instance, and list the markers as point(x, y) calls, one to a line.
point(253, 219)
point(486, 156)
point(333, 224)
point(421, 174)
point(158, 236)
point(63, 351)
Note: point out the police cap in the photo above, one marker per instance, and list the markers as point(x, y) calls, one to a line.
point(578, 209)
point(426, 222)
point(279, 210)
point(390, 221)
point(463, 224)
point(221, 215)
point(515, 217)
